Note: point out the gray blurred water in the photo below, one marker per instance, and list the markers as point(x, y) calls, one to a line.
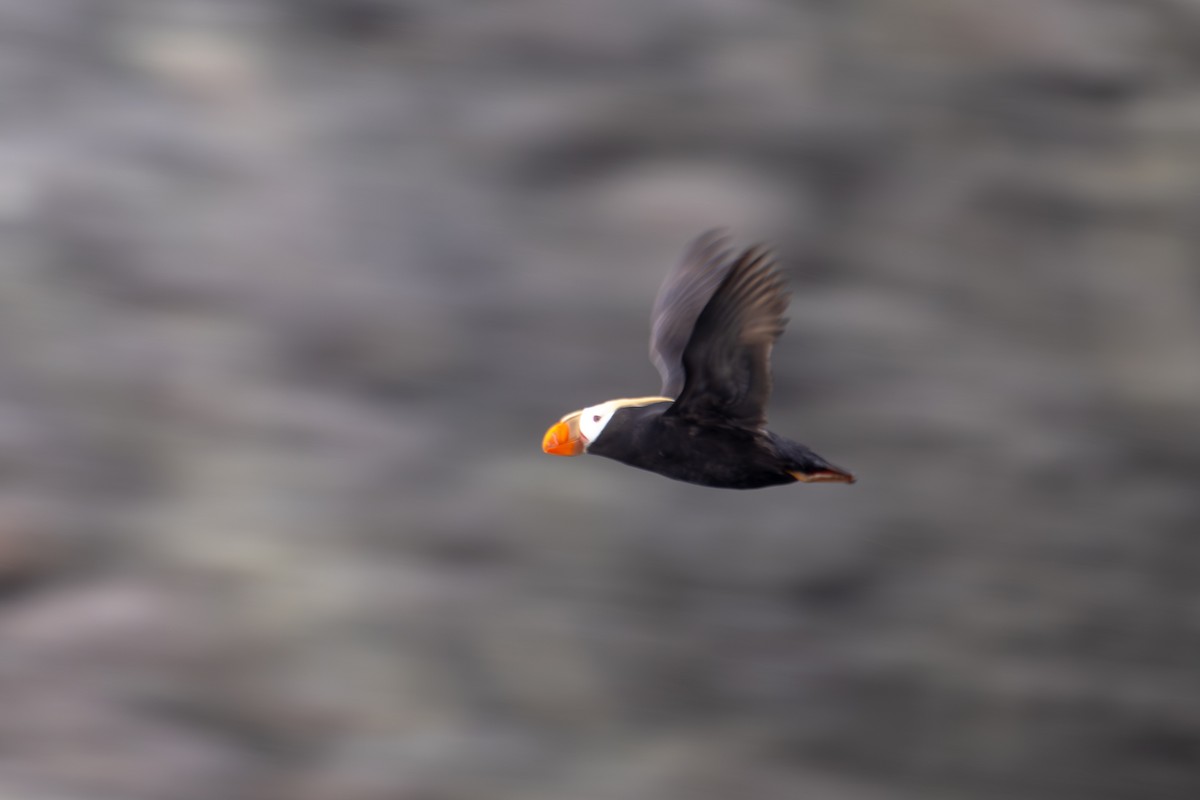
point(289, 290)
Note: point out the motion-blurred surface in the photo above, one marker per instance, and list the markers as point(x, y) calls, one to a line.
point(290, 288)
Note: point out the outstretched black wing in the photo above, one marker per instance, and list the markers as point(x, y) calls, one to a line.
point(727, 359)
point(683, 294)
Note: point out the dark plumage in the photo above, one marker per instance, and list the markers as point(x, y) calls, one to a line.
point(714, 322)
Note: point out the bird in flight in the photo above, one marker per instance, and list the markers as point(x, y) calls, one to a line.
point(715, 319)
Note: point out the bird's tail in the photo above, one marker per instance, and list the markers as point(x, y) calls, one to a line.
point(805, 465)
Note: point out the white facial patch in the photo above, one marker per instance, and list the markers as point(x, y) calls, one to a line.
point(593, 419)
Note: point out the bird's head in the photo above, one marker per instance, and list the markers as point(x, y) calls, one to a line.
point(572, 434)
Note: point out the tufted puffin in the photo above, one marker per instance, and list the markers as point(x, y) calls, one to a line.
point(714, 321)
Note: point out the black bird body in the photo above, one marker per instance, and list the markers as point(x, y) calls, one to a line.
point(727, 457)
point(714, 322)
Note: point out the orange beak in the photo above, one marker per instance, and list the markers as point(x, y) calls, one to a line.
point(563, 438)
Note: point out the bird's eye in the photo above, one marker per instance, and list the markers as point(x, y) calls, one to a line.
point(595, 418)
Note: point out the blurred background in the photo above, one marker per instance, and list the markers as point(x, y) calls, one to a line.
point(290, 290)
